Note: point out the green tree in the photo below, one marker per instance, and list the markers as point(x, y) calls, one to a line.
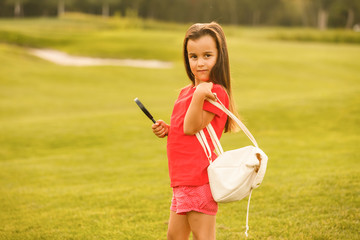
point(104, 4)
point(262, 12)
point(304, 6)
point(61, 5)
point(352, 6)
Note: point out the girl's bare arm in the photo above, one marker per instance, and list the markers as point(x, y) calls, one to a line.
point(196, 118)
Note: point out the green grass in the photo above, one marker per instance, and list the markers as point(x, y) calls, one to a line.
point(78, 159)
point(314, 35)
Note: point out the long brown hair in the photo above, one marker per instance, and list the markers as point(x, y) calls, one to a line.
point(220, 73)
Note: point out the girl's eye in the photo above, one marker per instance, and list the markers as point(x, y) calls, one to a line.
point(193, 56)
point(207, 55)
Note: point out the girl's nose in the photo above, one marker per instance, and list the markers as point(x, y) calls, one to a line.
point(200, 62)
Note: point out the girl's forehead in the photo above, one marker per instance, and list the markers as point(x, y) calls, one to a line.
point(202, 43)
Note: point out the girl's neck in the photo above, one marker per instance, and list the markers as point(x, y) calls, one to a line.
point(197, 82)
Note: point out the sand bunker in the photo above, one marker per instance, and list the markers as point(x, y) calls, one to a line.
point(62, 58)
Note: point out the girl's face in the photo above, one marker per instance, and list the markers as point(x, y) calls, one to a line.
point(202, 54)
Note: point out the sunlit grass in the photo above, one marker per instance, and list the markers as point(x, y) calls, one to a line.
point(79, 160)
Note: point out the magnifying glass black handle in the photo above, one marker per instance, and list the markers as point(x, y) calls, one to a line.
point(143, 108)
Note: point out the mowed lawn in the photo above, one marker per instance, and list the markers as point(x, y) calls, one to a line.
point(78, 159)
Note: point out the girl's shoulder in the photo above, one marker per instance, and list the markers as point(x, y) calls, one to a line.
point(220, 91)
point(185, 89)
point(218, 87)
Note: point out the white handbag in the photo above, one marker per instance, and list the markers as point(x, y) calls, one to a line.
point(235, 173)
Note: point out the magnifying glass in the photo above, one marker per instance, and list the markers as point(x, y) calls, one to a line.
point(143, 108)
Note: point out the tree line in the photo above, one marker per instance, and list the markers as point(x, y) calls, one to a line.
point(309, 13)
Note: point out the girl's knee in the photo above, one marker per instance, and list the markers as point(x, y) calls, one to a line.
point(170, 235)
point(175, 235)
point(178, 228)
point(203, 236)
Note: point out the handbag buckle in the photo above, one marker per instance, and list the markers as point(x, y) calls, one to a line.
point(258, 156)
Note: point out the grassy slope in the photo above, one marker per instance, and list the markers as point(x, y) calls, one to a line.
point(79, 161)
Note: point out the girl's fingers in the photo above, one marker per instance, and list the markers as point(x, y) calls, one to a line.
point(160, 131)
point(161, 134)
point(211, 96)
point(155, 125)
point(160, 128)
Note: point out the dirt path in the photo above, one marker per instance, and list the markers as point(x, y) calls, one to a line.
point(62, 58)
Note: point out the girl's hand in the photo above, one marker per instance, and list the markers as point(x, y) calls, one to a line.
point(204, 89)
point(160, 128)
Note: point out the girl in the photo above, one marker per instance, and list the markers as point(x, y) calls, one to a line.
point(193, 208)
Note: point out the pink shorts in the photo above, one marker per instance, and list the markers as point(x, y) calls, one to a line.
point(193, 198)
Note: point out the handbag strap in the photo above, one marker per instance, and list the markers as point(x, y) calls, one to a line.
point(247, 214)
point(218, 148)
point(215, 140)
point(204, 143)
point(221, 106)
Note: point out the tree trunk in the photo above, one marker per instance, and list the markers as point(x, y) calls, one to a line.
point(304, 13)
point(17, 9)
point(322, 19)
point(61, 8)
point(105, 10)
point(232, 11)
point(350, 18)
